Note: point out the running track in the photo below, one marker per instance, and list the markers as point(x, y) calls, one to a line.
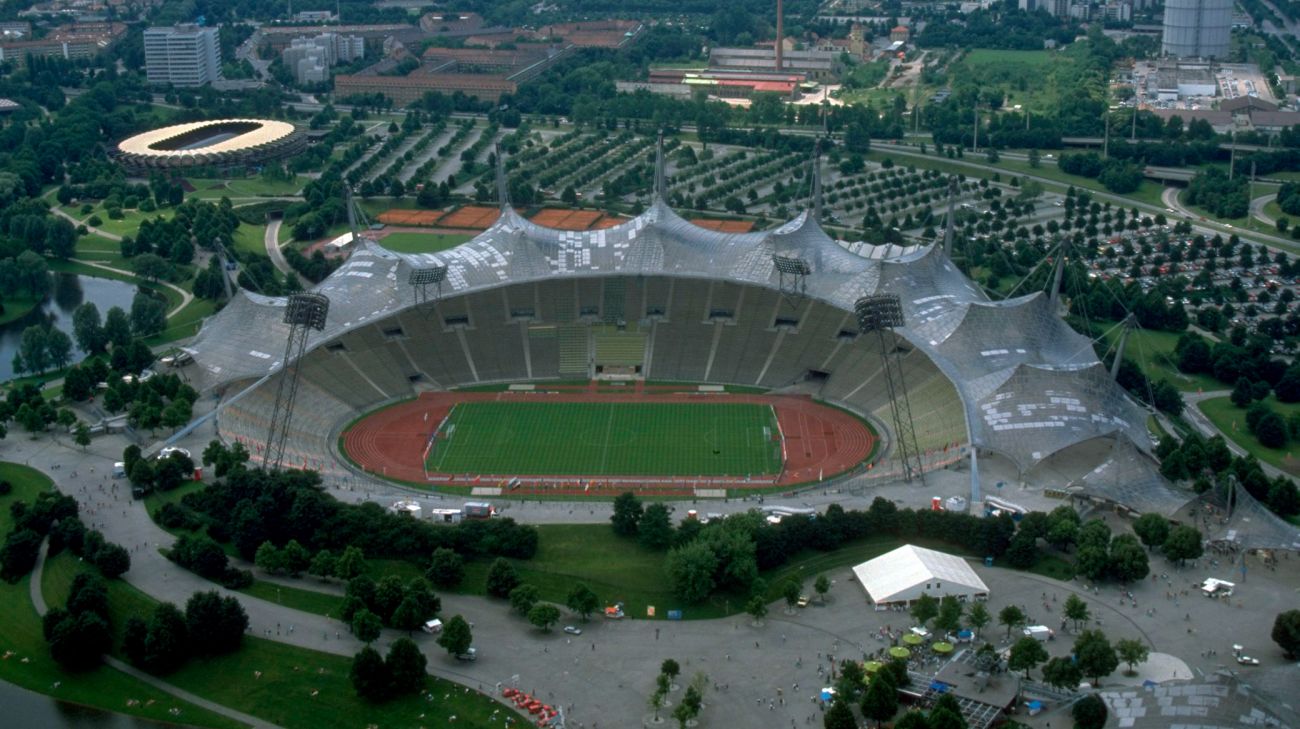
point(820, 441)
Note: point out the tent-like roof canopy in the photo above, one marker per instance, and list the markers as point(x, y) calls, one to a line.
point(893, 575)
point(1030, 385)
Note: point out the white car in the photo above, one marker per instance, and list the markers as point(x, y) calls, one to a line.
point(573, 630)
point(1247, 661)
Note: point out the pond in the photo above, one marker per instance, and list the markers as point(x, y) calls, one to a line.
point(23, 708)
point(70, 290)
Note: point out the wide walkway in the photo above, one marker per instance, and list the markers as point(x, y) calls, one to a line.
point(608, 671)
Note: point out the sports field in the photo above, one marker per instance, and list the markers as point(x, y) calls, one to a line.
point(607, 439)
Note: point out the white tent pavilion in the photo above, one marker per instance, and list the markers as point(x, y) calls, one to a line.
point(906, 573)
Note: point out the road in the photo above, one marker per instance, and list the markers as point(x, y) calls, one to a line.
point(1198, 420)
point(1257, 209)
point(271, 240)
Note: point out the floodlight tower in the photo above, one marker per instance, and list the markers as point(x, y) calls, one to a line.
point(420, 280)
point(304, 313)
point(792, 275)
point(882, 314)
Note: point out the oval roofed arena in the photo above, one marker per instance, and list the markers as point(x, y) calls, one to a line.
point(659, 298)
point(218, 142)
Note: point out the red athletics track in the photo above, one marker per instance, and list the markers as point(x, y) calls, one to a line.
point(820, 440)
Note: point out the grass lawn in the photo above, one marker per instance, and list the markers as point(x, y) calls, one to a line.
point(101, 250)
point(422, 242)
point(27, 661)
point(184, 323)
point(250, 239)
point(308, 601)
point(16, 307)
point(1231, 420)
point(284, 693)
point(130, 221)
point(1154, 351)
point(209, 189)
point(597, 439)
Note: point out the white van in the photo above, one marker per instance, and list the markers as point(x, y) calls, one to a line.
point(433, 627)
point(119, 469)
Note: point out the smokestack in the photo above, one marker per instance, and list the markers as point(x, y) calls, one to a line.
point(780, 36)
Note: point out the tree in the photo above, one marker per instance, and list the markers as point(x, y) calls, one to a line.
point(406, 667)
point(671, 669)
point(881, 701)
point(655, 530)
point(148, 315)
point(1095, 656)
point(1286, 632)
point(150, 267)
point(322, 564)
point(446, 569)
point(58, 348)
point(1132, 651)
point(112, 560)
point(366, 626)
point(133, 639)
point(691, 568)
point(925, 608)
point(1012, 617)
point(296, 558)
point(269, 559)
point(1183, 543)
point(851, 682)
point(949, 618)
point(18, 555)
point(409, 615)
point(166, 645)
point(117, 327)
point(78, 641)
point(1128, 560)
point(946, 714)
point(839, 716)
point(627, 514)
point(1089, 712)
point(501, 578)
point(1152, 529)
point(1077, 610)
point(369, 675)
point(456, 636)
point(1026, 654)
point(1062, 673)
point(352, 563)
point(216, 624)
point(81, 436)
point(544, 615)
point(582, 601)
point(790, 591)
point(978, 617)
point(757, 608)
point(821, 585)
point(523, 598)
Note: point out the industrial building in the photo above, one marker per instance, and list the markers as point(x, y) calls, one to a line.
point(1197, 28)
point(907, 573)
point(186, 56)
point(814, 64)
point(78, 41)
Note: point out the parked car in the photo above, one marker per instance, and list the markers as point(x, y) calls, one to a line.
point(469, 655)
point(573, 630)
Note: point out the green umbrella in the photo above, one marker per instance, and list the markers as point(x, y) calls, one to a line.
point(872, 666)
point(899, 651)
point(942, 647)
point(913, 639)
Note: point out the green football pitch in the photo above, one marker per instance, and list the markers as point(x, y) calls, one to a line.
point(608, 439)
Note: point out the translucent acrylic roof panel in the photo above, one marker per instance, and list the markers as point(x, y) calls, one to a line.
point(1029, 384)
point(1132, 478)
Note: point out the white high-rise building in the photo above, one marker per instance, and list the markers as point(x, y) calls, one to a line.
point(184, 55)
point(1197, 28)
point(311, 58)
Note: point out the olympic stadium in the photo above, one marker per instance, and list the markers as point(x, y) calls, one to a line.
point(216, 142)
point(525, 312)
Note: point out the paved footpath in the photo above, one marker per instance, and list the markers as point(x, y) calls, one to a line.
point(605, 675)
point(38, 601)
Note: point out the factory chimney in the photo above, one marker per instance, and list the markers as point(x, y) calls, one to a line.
point(780, 37)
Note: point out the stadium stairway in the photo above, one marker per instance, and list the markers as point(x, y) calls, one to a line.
point(574, 344)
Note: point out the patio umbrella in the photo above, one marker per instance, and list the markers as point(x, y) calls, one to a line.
point(899, 651)
point(872, 666)
point(942, 648)
point(913, 639)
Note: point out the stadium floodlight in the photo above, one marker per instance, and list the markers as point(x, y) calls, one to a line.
point(792, 266)
point(424, 276)
point(879, 311)
point(307, 310)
